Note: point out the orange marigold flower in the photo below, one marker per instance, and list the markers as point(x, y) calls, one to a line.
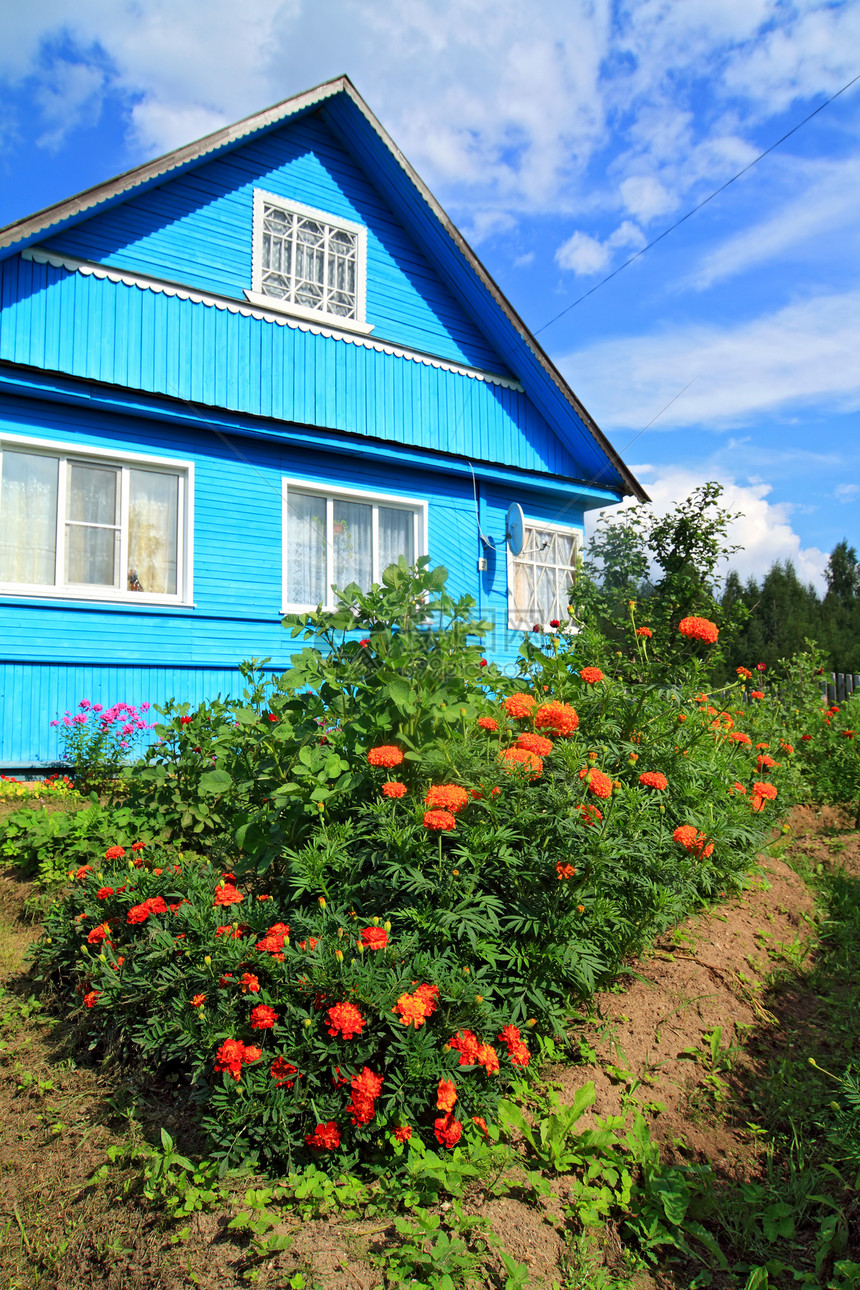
point(515, 757)
point(83, 871)
point(227, 894)
point(263, 1017)
point(482, 1124)
point(598, 783)
point(738, 737)
point(446, 1095)
point(699, 629)
point(274, 939)
point(386, 755)
point(559, 718)
point(411, 1011)
point(284, 1073)
point(488, 1058)
point(249, 983)
point(764, 762)
point(738, 788)
point(653, 779)
point(346, 1018)
point(519, 1053)
point(90, 998)
point(767, 791)
point(510, 1035)
point(104, 892)
point(518, 705)
point(98, 933)
point(745, 673)
point(787, 748)
point(403, 1133)
point(591, 675)
point(696, 843)
point(466, 1044)
point(232, 1053)
point(448, 1130)
point(534, 743)
point(487, 723)
point(325, 1138)
point(365, 1090)
point(138, 846)
point(756, 694)
point(448, 797)
point(428, 994)
point(439, 821)
point(415, 1008)
point(590, 814)
point(564, 871)
point(374, 938)
point(644, 631)
point(114, 853)
point(394, 788)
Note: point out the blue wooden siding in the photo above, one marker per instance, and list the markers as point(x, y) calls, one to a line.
point(196, 230)
point(55, 652)
point(128, 336)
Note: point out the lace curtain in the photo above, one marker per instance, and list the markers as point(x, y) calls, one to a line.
point(315, 521)
point(28, 519)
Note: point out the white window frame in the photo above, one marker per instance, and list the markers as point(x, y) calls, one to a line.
point(124, 462)
point(517, 616)
point(258, 297)
point(330, 492)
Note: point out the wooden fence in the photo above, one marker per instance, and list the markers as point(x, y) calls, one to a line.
point(840, 686)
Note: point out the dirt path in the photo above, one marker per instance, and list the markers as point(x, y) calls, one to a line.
point(686, 1038)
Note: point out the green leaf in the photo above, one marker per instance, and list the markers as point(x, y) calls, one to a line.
point(215, 781)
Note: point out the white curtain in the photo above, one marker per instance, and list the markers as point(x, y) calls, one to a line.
point(28, 519)
point(351, 539)
point(306, 525)
point(396, 533)
point(153, 512)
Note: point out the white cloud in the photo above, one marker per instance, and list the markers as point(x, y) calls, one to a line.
point(763, 531)
point(503, 108)
point(804, 353)
point(583, 254)
point(847, 492)
point(644, 197)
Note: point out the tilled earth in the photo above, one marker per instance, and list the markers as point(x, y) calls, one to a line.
point(685, 1036)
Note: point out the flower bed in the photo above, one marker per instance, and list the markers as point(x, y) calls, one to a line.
point(355, 895)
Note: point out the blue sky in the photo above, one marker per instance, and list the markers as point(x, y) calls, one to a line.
point(562, 135)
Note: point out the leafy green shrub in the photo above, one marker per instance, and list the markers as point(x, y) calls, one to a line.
point(48, 844)
point(420, 825)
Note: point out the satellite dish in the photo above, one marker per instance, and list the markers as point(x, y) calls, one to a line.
point(515, 528)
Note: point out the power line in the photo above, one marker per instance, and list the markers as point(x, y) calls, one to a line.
point(702, 203)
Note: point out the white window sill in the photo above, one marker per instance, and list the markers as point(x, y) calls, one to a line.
point(309, 315)
point(26, 591)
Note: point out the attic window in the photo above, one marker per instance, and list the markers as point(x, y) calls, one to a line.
point(307, 263)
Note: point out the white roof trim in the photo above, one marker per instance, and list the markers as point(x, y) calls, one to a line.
point(129, 279)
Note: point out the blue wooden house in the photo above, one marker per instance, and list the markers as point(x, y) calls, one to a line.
point(260, 365)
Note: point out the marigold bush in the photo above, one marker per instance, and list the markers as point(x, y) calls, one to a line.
point(319, 948)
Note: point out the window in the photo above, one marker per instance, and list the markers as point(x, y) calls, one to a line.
point(307, 263)
point(337, 536)
point(94, 528)
point(540, 577)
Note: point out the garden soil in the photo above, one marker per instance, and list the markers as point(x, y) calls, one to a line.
point(682, 1037)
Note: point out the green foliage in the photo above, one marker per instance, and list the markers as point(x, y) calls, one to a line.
point(48, 845)
point(547, 874)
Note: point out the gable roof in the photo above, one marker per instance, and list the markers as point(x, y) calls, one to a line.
point(364, 136)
